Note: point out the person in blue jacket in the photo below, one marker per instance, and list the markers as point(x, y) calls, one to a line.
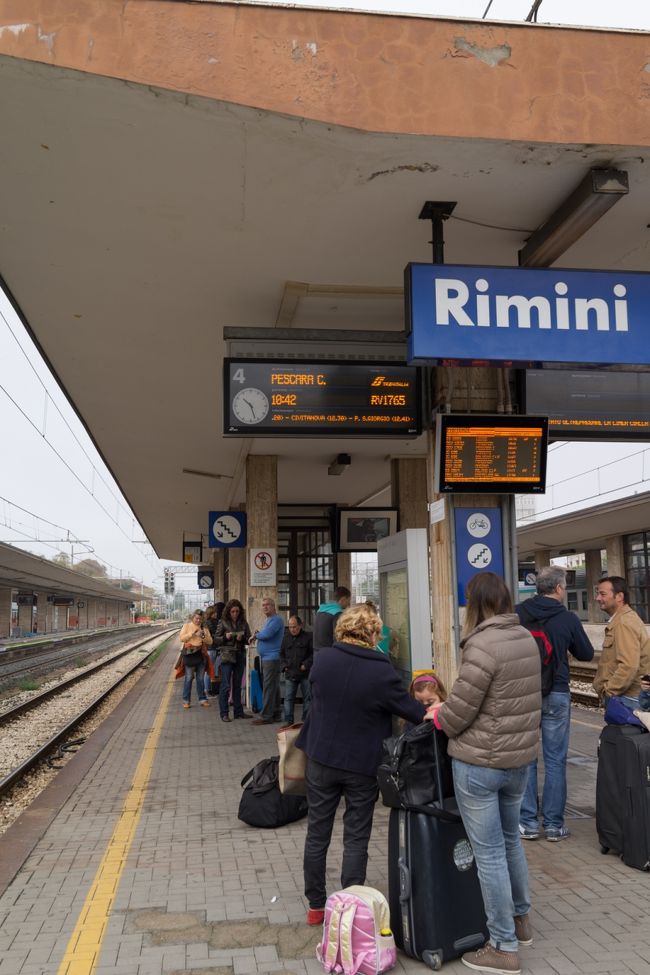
point(354, 692)
point(269, 641)
point(566, 634)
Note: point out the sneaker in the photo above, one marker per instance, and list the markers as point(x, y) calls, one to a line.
point(315, 915)
point(528, 833)
point(185, 704)
point(555, 835)
point(491, 959)
point(523, 930)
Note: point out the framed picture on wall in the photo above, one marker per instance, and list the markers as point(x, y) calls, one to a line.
point(359, 529)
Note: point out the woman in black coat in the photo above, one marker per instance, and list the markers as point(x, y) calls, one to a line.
point(232, 636)
point(354, 691)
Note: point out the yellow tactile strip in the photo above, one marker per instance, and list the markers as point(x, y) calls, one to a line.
point(82, 953)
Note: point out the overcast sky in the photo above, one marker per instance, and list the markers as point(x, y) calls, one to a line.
point(631, 14)
point(53, 485)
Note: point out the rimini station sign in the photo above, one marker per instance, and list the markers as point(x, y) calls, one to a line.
point(471, 315)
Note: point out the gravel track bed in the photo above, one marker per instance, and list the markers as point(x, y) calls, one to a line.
point(11, 698)
point(22, 736)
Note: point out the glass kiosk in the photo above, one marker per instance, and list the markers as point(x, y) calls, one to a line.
point(405, 600)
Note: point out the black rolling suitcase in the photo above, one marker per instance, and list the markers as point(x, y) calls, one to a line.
point(436, 905)
point(623, 794)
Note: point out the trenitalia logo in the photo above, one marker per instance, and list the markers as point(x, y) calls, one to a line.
point(382, 381)
point(466, 314)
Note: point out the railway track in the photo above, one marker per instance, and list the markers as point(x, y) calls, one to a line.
point(14, 715)
point(585, 699)
point(17, 663)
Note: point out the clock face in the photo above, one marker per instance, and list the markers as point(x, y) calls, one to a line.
point(250, 405)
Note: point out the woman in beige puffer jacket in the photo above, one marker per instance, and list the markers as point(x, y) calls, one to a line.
point(492, 718)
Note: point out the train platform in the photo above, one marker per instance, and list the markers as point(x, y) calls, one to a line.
point(133, 862)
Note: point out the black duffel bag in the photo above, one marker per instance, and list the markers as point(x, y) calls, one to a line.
point(415, 769)
point(262, 804)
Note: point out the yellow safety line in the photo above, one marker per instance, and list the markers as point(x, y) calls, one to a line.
point(82, 953)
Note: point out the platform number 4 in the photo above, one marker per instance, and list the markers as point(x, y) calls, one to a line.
point(238, 376)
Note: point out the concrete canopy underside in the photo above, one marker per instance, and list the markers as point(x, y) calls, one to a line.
point(168, 169)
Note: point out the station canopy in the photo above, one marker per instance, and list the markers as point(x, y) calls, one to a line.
point(172, 169)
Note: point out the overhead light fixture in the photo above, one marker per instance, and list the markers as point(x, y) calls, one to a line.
point(189, 470)
point(598, 191)
point(338, 466)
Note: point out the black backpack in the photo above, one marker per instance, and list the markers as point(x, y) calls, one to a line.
point(537, 630)
point(262, 804)
point(415, 769)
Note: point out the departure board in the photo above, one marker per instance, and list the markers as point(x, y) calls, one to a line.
point(589, 404)
point(331, 399)
point(491, 454)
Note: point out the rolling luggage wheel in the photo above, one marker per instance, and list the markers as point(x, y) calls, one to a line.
point(433, 959)
point(604, 849)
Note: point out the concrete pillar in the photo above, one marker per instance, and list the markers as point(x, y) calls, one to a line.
point(615, 556)
point(91, 613)
point(219, 579)
point(542, 559)
point(25, 615)
point(343, 570)
point(409, 491)
point(463, 390)
point(593, 572)
point(49, 616)
point(262, 518)
point(5, 613)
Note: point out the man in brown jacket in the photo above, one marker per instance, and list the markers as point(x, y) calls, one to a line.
point(626, 648)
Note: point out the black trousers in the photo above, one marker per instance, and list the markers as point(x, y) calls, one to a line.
point(325, 786)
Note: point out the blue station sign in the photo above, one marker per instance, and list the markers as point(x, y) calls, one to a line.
point(472, 315)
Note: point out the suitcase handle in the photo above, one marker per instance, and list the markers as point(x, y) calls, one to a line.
point(444, 814)
point(404, 881)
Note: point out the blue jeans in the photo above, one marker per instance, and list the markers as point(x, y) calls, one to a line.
point(290, 688)
point(556, 722)
point(489, 800)
point(231, 672)
point(192, 671)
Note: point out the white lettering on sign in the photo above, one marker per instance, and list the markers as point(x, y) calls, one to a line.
point(453, 296)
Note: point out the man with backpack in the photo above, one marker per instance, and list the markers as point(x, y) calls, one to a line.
point(557, 632)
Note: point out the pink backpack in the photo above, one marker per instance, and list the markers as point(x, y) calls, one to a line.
point(356, 933)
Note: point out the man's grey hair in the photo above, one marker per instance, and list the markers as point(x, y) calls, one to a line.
point(549, 578)
point(267, 599)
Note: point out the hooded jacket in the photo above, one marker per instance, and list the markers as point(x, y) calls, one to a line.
point(563, 629)
point(492, 716)
point(324, 623)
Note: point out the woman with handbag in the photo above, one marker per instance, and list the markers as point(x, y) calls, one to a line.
point(194, 637)
point(232, 636)
point(354, 692)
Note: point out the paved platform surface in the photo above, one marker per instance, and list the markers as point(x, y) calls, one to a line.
point(186, 888)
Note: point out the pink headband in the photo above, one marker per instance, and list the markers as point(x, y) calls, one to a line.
point(425, 679)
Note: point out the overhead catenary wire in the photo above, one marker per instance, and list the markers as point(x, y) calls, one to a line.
point(43, 434)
